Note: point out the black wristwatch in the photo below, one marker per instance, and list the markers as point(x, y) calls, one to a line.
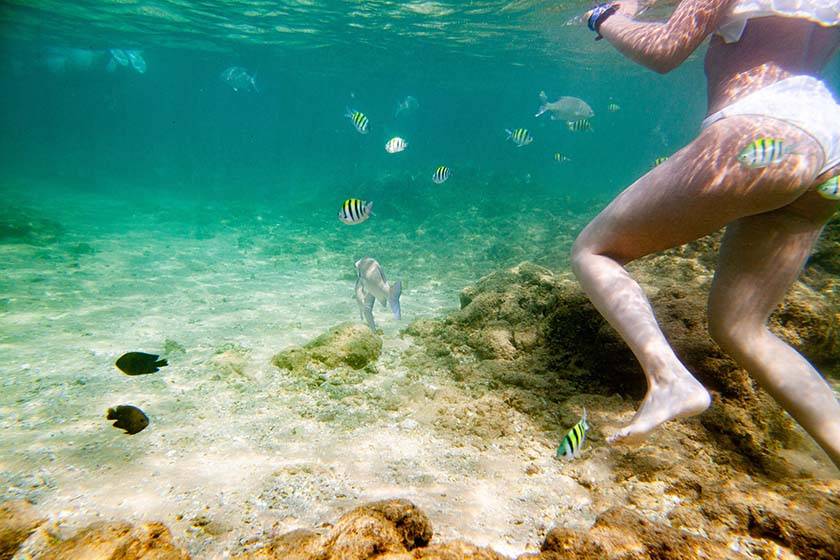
point(599, 15)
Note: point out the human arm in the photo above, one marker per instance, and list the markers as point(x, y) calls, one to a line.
point(663, 46)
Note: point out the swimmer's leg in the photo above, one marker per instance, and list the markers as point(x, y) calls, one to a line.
point(772, 247)
point(697, 191)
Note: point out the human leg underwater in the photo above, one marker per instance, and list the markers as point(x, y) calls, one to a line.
point(773, 247)
point(697, 191)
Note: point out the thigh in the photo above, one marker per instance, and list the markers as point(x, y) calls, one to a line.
point(760, 257)
point(703, 187)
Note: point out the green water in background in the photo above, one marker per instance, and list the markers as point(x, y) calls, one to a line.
point(165, 212)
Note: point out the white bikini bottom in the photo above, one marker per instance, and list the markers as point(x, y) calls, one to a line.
point(802, 101)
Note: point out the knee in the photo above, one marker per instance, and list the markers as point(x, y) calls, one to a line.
point(580, 254)
point(733, 334)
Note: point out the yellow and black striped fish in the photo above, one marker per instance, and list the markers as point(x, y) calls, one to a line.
point(579, 125)
point(441, 174)
point(355, 211)
point(613, 107)
point(560, 158)
point(572, 443)
point(830, 189)
point(520, 136)
point(660, 160)
point(360, 121)
point(764, 152)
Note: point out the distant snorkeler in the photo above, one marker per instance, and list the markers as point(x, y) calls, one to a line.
point(761, 68)
point(371, 286)
point(125, 57)
point(406, 106)
point(140, 363)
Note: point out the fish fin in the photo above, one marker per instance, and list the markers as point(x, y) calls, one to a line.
point(359, 291)
point(367, 312)
point(509, 133)
point(161, 363)
point(394, 299)
point(543, 97)
point(348, 112)
point(541, 110)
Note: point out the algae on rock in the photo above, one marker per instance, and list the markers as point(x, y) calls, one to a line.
point(345, 354)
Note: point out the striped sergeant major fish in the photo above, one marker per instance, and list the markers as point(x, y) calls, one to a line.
point(613, 107)
point(360, 121)
point(763, 152)
point(659, 161)
point(560, 158)
point(355, 211)
point(395, 145)
point(830, 189)
point(579, 125)
point(520, 136)
point(441, 174)
point(572, 442)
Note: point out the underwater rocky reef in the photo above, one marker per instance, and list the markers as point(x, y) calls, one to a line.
point(521, 358)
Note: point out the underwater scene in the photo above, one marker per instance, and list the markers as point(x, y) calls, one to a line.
point(291, 279)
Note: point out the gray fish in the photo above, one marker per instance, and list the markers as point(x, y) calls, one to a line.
point(128, 418)
point(239, 79)
point(565, 108)
point(371, 286)
point(139, 363)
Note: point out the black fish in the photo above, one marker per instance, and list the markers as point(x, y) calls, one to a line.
point(138, 363)
point(128, 418)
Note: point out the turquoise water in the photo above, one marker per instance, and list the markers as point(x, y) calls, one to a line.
point(163, 211)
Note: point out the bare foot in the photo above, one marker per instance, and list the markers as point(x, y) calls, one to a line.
point(682, 397)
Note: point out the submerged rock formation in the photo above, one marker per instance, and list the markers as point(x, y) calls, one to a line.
point(343, 351)
point(528, 340)
point(398, 530)
point(18, 520)
point(103, 541)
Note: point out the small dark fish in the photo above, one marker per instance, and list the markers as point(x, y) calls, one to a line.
point(138, 363)
point(128, 418)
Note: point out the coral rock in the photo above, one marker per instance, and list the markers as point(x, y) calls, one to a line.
point(621, 534)
point(18, 520)
point(347, 346)
point(116, 541)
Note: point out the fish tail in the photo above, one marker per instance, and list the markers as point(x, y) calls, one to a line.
point(161, 363)
point(348, 112)
point(394, 299)
point(509, 133)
